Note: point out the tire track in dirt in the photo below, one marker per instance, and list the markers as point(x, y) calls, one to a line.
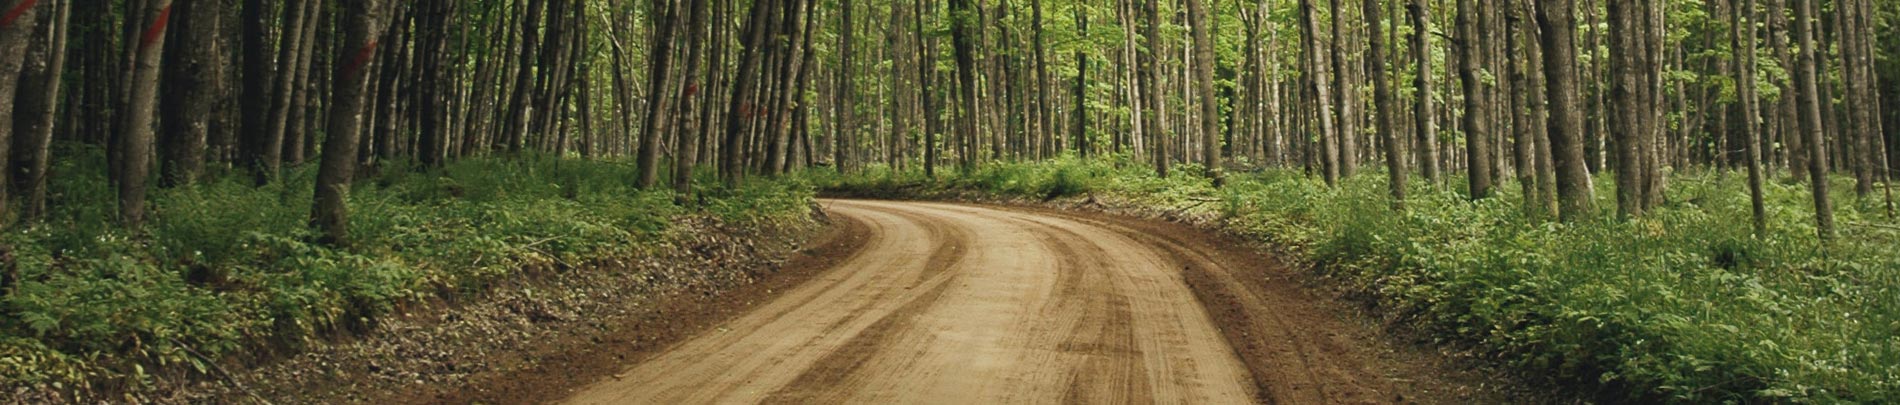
point(952, 303)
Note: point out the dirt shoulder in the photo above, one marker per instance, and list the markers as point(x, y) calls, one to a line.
point(561, 329)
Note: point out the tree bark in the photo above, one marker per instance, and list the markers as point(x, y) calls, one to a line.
point(1424, 111)
point(688, 146)
point(1204, 87)
point(37, 103)
point(136, 142)
point(657, 98)
point(1316, 79)
point(191, 79)
point(1382, 98)
point(1477, 126)
point(330, 213)
point(1743, 42)
point(16, 31)
point(1809, 104)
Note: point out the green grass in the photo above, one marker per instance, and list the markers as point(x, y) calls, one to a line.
point(1683, 305)
point(224, 267)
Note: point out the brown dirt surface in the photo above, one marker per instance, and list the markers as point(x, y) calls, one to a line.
point(950, 303)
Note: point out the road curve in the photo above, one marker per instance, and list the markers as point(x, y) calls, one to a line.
point(962, 304)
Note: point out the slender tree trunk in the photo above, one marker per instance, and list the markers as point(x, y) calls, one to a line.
point(657, 99)
point(436, 70)
point(136, 143)
point(1079, 128)
point(1809, 103)
point(297, 124)
point(687, 147)
point(1743, 42)
point(258, 71)
point(1477, 126)
point(330, 213)
point(1382, 97)
point(270, 157)
point(1423, 111)
point(963, 40)
point(1151, 89)
point(846, 98)
point(1346, 97)
point(1204, 86)
point(1316, 79)
point(37, 103)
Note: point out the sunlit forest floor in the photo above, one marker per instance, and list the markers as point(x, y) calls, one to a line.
point(1683, 304)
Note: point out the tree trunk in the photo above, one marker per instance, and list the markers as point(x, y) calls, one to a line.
point(1809, 104)
point(687, 147)
point(330, 213)
point(39, 89)
point(136, 143)
point(1151, 89)
point(1743, 42)
point(1315, 76)
point(846, 129)
point(1204, 87)
point(1346, 97)
point(657, 97)
point(191, 79)
point(436, 70)
point(1382, 97)
point(1477, 127)
point(963, 40)
point(1424, 112)
point(270, 157)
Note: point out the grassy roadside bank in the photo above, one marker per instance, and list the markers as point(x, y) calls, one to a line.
point(1681, 306)
point(225, 270)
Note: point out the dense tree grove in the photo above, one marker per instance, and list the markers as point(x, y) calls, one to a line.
point(1560, 94)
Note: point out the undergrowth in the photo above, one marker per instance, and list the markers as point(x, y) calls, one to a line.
point(224, 268)
point(1683, 305)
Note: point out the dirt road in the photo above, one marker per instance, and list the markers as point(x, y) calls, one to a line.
point(952, 303)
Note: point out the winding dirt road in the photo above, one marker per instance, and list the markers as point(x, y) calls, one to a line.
point(951, 303)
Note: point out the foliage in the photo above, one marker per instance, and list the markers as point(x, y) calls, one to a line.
point(225, 266)
point(1683, 305)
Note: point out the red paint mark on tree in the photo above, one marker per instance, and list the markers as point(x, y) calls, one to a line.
point(153, 34)
point(362, 58)
point(691, 89)
point(15, 13)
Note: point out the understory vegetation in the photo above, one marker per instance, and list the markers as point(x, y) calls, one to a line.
point(225, 268)
point(1681, 305)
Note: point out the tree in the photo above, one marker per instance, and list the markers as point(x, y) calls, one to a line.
point(1151, 89)
point(31, 153)
point(270, 152)
point(690, 130)
point(1743, 42)
point(330, 214)
point(1045, 127)
point(1423, 111)
point(16, 30)
point(1476, 126)
point(1204, 86)
point(1556, 23)
point(192, 74)
point(963, 40)
point(660, 63)
point(847, 114)
point(137, 140)
point(1315, 77)
point(1384, 118)
point(1808, 102)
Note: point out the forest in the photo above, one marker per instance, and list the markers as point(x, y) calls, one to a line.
point(1650, 200)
